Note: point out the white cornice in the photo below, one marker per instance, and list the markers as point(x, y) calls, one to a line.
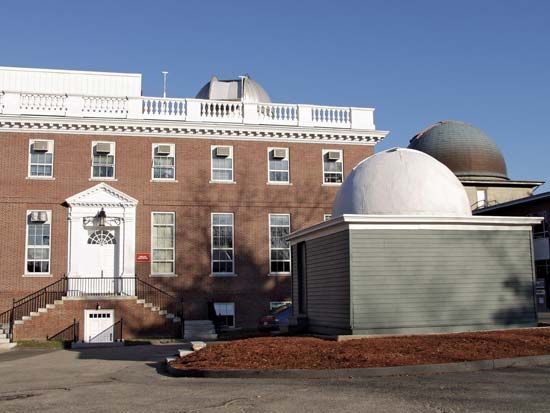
point(414, 222)
point(184, 129)
point(113, 197)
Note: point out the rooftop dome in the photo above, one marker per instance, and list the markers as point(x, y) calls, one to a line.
point(402, 182)
point(465, 149)
point(232, 89)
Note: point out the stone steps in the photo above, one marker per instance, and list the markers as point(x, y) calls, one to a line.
point(57, 303)
point(199, 330)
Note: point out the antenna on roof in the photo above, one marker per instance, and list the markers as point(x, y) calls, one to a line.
point(164, 73)
point(243, 78)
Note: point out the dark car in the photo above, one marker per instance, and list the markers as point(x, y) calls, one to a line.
point(276, 318)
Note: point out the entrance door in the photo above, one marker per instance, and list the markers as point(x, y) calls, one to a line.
point(99, 326)
point(101, 259)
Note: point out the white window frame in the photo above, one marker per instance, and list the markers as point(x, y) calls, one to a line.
point(341, 160)
point(273, 305)
point(165, 274)
point(51, 149)
point(226, 181)
point(172, 155)
point(113, 152)
point(27, 225)
point(287, 158)
point(230, 305)
point(327, 217)
point(270, 248)
point(222, 274)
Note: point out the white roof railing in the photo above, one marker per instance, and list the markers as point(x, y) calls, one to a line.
point(190, 110)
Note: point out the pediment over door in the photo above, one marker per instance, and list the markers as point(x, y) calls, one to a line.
point(102, 195)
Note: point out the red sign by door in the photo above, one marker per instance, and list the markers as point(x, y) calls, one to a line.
point(143, 257)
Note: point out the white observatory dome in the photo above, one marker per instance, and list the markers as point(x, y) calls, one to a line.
point(402, 182)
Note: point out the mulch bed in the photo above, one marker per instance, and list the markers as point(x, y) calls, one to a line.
point(278, 353)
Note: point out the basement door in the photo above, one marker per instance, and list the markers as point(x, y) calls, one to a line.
point(99, 326)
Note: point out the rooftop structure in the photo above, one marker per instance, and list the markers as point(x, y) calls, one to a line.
point(475, 159)
point(220, 104)
point(402, 182)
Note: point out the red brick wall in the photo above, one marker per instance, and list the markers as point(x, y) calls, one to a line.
point(193, 199)
point(138, 321)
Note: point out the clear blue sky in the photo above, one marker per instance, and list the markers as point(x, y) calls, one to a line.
point(417, 62)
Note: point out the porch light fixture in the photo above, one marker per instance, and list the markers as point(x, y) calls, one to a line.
point(101, 218)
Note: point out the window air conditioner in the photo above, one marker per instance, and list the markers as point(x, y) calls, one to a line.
point(40, 146)
point(163, 150)
point(333, 155)
point(103, 147)
point(39, 216)
point(223, 151)
point(279, 153)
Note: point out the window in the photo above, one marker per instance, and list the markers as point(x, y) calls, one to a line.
point(40, 158)
point(274, 305)
point(163, 235)
point(225, 313)
point(278, 165)
point(222, 163)
point(38, 242)
point(481, 195)
point(222, 244)
point(103, 160)
point(279, 250)
point(333, 167)
point(327, 217)
point(164, 162)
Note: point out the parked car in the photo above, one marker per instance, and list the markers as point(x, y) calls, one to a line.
point(276, 318)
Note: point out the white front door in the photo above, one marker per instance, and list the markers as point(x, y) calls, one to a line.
point(101, 253)
point(99, 326)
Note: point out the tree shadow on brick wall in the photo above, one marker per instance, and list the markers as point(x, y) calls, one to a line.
point(194, 285)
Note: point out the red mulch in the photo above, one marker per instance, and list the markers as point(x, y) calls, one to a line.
point(274, 353)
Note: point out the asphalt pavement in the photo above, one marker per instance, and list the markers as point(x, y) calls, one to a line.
point(132, 379)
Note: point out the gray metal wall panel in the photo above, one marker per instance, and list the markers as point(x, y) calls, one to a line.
point(440, 280)
point(328, 292)
point(294, 261)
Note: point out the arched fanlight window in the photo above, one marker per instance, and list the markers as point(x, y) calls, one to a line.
point(101, 237)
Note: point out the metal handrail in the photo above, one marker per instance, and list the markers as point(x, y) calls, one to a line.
point(94, 286)
point(69, 334)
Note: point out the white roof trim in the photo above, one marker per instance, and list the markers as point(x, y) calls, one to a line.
point(111, 197)
point(345, 222)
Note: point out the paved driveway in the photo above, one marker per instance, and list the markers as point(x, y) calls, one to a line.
point(130, 380)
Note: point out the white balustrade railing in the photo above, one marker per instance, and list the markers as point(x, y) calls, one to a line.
point(42, 103)
point(224, 111)
point(104, 107)
point(163, 108)
point(278, 114)
point(330, 116)
point(190, 110)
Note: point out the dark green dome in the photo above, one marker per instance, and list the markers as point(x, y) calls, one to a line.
point(465, 149)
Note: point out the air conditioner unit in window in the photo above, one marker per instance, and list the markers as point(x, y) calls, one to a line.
point(40, 146)
point(279, 153)
point(103, 147)
point(223, 151)
point(39, 216)
point(333, 155)
point(163, 150)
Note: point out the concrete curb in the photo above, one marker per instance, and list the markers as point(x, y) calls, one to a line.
point(366, 372)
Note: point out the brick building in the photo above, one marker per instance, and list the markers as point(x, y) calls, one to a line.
point(174, 206)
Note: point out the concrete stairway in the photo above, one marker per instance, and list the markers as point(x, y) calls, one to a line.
point(199, 330)
point(4, 339)
point(68, 308)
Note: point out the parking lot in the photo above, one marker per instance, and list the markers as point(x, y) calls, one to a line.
point(132, 379)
